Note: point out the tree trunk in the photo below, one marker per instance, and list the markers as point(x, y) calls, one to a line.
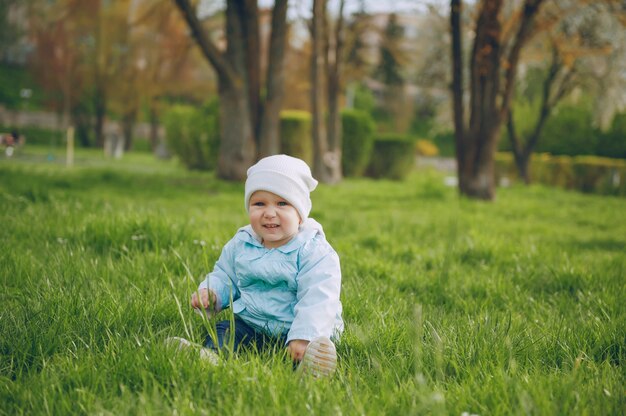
point(489, 98)
point(248, 14)
point(553, 91)
point(128, 122)
point(478, 179)
point(320, 139)
point(522, 162)
point(238, 79)
point(522, 158)
point(269, 131)
point(82, 121)
point(334, 90)
point(100, 113)
point(457, 84)
point(154, 126)
point(237, 149)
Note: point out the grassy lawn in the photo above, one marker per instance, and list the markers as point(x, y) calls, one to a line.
point(451, 306)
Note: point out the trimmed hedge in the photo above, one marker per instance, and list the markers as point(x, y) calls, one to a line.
point(393, 157)
point(591, 174)
point(193, 135)
point(37, 135)
point(357, 129)
point(295, 134)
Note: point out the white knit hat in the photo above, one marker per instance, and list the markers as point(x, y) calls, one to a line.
point(285, 176)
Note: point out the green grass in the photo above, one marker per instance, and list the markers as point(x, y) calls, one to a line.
point(451, 306)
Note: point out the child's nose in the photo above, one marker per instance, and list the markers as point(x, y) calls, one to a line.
point(269, 212)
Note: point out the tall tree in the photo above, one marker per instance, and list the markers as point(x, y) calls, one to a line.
point(320, 138)
point(56, 30)
point(326, 87)
point(164, 60)
point(357, 61)
point(493, 70)
point(556, 84)
point(392, 57)
point(390, 72)
point(587, 36)
point(241, 108)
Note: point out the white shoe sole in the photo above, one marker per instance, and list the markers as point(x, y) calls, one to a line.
point(320, 358)
point(182, 344)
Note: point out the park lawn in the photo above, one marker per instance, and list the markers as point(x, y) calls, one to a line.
point(451, 305)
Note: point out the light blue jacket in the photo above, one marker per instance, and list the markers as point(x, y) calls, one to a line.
point(293, 289)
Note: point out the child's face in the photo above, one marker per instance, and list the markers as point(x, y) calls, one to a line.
point(273, 218)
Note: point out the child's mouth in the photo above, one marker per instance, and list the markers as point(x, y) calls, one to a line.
point(271, 226)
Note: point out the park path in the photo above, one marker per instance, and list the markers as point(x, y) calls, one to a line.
point(443, 164)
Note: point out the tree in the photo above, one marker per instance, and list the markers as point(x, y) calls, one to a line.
point(588, 36)
point(239, 83)
point(334, 68)
point(392, 58)
point(56, 29)
point(557, 83)
point(493, 70)
point(10, 30)
point(164, 61)
point(357, 62)
point(390, 72)
point(82, 53)
point(326, 67)
point(320, 138)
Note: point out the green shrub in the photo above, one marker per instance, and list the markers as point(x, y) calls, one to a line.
point(613, 142)
point(142, 144)
point(599, 175)
point(357, 140)
point(364, 99)
point(393, 157)
point(569, 131)
point(13, 81)
point(193, 135)
point(445, 143)
point(584, 173)
point(559, 171)
point(37, 135)
point(505, 166)
point(295, 134)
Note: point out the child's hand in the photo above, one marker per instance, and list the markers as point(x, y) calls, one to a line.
point(203, 299)
point(296, 349)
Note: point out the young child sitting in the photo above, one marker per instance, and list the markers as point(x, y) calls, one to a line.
point(282, 275)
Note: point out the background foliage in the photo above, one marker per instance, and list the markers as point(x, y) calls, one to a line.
point(295, 134)
point(194, 134)
point(357, 141)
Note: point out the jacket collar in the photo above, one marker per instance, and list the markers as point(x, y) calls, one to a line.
point(308, 230)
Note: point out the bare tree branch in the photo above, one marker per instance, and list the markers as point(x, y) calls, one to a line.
point(208, 48)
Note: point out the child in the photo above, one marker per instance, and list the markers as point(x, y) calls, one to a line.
point(283, 276)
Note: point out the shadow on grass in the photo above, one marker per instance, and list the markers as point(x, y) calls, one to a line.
point(599, 244)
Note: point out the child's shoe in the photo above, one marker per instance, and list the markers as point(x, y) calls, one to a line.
point(206, 354)
point(320, 358)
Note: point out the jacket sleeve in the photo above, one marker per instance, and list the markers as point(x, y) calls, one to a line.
point(319, 285)
point(222, 280)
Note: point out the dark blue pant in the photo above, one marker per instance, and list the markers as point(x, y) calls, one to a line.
point(244, 336)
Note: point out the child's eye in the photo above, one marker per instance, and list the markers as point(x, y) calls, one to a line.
point(283, 204)
point(258, 204)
